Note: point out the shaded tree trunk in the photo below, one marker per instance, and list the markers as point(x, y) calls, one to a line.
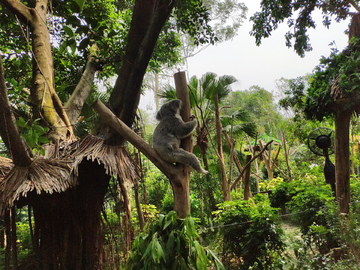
point(247, 193)
point(69, 224)
point(224, 183)
point(7, 222)
point(127, 219)
point(181, 182)
point(13, 237)
point(342, 161)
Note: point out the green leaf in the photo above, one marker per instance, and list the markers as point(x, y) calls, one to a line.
point(21, 122)
point(34, 151)
point(216, 259)
point(39, 129)
point(161, 219)
point(167, 224)
point(80, 3)
point(147, 251)
point(68, 31)
point(43, 139)
point(84, 43)
point(170, 242)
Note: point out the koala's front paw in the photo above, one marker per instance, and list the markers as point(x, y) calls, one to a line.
point(192, 117)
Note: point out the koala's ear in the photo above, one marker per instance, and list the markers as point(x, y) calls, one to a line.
point(158, 116)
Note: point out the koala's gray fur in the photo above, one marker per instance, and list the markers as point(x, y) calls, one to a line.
point(169, 132)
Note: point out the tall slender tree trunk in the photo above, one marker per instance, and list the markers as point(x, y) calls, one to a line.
point(342, 159)
point(247, 192)
point(224, 183)
point(181, 182)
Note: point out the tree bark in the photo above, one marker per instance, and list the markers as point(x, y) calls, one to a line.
point(7, 223)
point(224, 182)
point(286, 153)
point(342, 161)
point(182, 191)
point(13, 237)
point(75, 103)
point(247, 193)
point(8, 130)
point(127, 219)
point(69, 224)
point(147, 22)
point(46, 103)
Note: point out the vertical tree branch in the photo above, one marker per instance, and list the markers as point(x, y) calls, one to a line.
point(8, 130)
point(224, 182)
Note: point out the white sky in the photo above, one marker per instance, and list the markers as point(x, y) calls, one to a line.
point(253, 65)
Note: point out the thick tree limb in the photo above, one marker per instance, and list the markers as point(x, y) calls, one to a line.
point(81, 92)
point(19, 9)
point(147, 22)
point(110, 119)
point(8, 130)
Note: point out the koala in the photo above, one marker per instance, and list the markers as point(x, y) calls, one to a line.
point(169, 132)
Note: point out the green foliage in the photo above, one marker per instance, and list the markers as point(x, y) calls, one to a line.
point(171, 243)
point(343, 69)
point(260, 106)
point(193, 18)
point(274, 183)
point(251, 234)
point(282, 194)
point(275, 12)
point(159, 190)
point(240, 122)
point(33, 134)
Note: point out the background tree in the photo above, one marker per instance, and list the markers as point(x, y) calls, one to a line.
point(97, 34)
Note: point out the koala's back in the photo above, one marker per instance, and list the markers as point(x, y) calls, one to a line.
point(165, 133)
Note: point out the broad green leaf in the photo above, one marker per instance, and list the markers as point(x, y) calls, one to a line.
point(217, 262)
point(167, 224)
point(68, 31)
point(43, 139)
point(80, 3)
point(20, 122)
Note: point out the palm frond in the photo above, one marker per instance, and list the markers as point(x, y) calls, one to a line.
point(248, 128)
point(168, 93)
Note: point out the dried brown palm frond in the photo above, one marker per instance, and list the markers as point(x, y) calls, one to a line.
point(43, 175)
point(116, 160)
point(5, 166)
point(58, 169)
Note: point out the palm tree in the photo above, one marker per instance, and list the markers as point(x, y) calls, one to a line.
point(201, 93)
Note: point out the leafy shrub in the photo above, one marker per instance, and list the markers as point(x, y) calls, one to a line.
point(170, 243)
point(282, 194)
point(251, 235)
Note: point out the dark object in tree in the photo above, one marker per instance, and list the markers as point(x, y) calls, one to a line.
point(321, 143)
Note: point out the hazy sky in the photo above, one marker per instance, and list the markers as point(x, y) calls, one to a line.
point(253, 65)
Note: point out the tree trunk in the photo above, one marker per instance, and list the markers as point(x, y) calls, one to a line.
point(342, 174)
point(127, 219)
point(13, 237)
point(138, 205)
point(286, 153)
point(247, 192)
point(224, 182)
point(181, 185)
point(7, 223)
point(70, 224)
